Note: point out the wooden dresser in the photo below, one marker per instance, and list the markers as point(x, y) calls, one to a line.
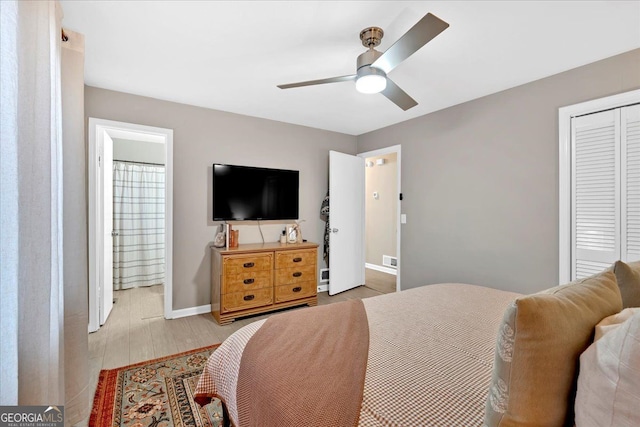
point(256, 278)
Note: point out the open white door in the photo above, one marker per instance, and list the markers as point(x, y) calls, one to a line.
point(106, 200)
point(100, 197)
point(346, 218)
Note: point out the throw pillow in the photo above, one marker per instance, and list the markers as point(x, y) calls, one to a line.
point(628, 277)
point(539, 342)
point(612, 322)
point(608, 384)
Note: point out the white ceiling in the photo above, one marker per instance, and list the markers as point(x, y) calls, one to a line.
point(231, 55)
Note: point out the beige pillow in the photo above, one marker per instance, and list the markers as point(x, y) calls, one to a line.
point(611, 323)
point(609, 381)
point(628, 277)
point(539, 342)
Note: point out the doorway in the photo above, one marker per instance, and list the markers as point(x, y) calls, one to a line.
point(347, 216)
point(140, 152)
point(382, 218)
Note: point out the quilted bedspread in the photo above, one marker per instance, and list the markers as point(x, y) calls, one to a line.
point(431, 352)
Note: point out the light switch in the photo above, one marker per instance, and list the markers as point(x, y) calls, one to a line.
point(376, 195)
point(403, 218)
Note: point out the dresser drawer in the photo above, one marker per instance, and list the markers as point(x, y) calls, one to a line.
point(286, 276)
point(247, 299)
point(296, 291)
point(238, 264)
point(246, 281)
point(290, 259)
point(261, 277)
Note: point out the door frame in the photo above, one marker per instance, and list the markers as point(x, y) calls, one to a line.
point(565, 114)
point(382, 151)
point(137, 132)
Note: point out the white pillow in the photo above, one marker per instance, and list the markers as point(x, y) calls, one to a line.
point(613, 322)
point(608, 392)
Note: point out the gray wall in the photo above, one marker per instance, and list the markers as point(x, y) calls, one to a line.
point(480, 180)
point(138, 151)
point(381, 213)
point(202, 137)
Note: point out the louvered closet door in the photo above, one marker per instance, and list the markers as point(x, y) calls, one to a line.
point(630, 203)
point(595, 192)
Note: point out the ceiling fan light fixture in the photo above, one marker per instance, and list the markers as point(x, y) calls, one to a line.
point(371, 80)
point(372, 66)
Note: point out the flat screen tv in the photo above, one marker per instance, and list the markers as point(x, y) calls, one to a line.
point(250, 193)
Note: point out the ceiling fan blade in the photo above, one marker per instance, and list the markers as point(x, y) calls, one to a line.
point(319, 82)
point(419, 35)
point(398, 96)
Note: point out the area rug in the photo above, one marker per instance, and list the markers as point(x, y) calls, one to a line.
point(156, 393)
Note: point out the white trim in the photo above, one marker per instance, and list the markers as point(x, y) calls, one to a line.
point(564, 189)
point(139, 133)
point(191, 311)
point(168, 225)
point(381, 268)
point(94, 261)
point(388, 150)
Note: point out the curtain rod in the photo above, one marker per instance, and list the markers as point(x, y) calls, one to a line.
point(140, 163)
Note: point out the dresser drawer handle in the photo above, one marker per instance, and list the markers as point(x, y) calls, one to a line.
point(249, 297)
point(248, 281)
point(248, 264)
point(297, 259)
point(297, 274)
point(297, 289)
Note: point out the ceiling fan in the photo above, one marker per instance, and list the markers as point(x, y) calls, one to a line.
point(373, 66)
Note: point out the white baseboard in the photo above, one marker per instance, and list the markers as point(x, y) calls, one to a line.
point(323, 288)
point(192, 311)
point(381, 268)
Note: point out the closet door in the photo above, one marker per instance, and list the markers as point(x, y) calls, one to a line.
point(595, 189)
point(630, 203)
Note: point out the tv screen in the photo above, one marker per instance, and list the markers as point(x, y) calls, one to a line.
point(249, 193)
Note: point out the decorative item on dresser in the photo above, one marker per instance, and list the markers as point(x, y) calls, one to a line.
point(261, 277)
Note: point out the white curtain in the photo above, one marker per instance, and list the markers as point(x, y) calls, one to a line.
point(31, 292)
point(138, 225)
point(77, 405)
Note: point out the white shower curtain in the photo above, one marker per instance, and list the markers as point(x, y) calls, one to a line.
point(138, 225)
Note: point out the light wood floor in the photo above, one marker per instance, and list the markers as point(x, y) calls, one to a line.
point(378, 281)
point(137, 331)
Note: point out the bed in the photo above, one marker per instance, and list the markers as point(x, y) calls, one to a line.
point(427, 345)
point(438, 355)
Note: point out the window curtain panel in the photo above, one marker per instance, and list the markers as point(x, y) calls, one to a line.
point(31, 253)
point(77, 405)
point(138, 225)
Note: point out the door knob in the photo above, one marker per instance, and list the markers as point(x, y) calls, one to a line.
point(334, 230)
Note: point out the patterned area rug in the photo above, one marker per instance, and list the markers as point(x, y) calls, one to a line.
point(156, 393)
